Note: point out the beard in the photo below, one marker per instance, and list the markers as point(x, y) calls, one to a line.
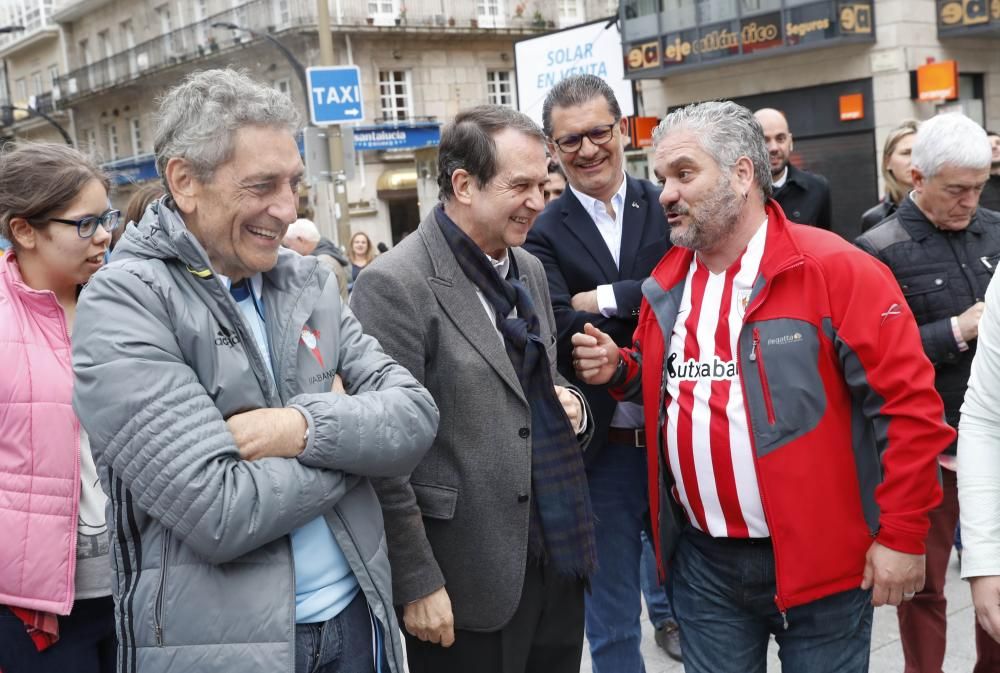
point(715, 220)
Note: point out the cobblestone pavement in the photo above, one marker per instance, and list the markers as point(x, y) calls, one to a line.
point(887, 653)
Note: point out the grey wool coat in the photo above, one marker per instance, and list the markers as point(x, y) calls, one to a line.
point(203, 570)
point(460, 520)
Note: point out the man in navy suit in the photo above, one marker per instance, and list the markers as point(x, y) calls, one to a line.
point(598, 242)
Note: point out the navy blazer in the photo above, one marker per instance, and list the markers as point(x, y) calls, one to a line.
point(577, 259)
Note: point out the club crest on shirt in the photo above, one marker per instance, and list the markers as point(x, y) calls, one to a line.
point(309, 340)
point(742, 301)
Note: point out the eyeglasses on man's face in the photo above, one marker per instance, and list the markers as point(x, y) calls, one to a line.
point(87, 226)
point(599, 135)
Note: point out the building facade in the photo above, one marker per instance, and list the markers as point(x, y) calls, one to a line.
point(420, 62)
point(32, 60)
point(844, 72)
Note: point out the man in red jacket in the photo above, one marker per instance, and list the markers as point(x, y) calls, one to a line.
point(794, 411)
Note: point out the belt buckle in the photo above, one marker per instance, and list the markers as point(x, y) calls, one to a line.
point(640, 440)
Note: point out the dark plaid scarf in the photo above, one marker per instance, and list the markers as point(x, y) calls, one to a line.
point(562, 522)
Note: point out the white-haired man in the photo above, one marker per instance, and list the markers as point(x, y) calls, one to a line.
point(247, 536)
point(943, 250)
point(304, 238)
point(781, 378)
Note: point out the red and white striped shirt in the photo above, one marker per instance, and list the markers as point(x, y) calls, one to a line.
point(708, 442)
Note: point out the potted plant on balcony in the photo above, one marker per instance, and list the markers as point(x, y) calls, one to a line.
point(401, 18)
point(370, 20)
point(537, 20)
point(213, 44)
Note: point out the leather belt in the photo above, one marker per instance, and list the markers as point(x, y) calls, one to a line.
point(627, 436)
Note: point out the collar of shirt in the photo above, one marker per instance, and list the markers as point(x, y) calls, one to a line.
point(501, 266)
point(595, 207)
point(780, 182)
point(256, 284)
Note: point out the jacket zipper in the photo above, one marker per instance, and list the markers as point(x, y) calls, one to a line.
point(291, 569)
point(753, 443)
point(371, 580)
point(757, 355)
point(158, 609)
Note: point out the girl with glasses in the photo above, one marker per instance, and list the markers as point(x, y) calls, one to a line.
point(56, 611)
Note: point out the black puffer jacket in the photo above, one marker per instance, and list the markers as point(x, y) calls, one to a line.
point(941, 273)
point(877, 213)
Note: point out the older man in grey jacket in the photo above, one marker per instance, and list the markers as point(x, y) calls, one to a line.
point(246, 535)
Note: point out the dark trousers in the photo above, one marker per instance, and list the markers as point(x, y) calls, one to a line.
point(923, 622)
point(86, 641)
point(617, 482)
point(723, 597)
point(342, 644)
point(545, 635)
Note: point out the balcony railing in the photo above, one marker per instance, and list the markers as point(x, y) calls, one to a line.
point(45, 103)
point(199, 40)
point(12, 112)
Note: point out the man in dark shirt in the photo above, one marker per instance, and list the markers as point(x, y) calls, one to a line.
point(804, 196)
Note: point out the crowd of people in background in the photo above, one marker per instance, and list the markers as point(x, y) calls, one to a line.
point(228, 444)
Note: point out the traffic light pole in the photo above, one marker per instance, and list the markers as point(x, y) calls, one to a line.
point(334, 137)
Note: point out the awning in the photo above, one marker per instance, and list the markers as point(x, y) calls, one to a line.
point(397, 183)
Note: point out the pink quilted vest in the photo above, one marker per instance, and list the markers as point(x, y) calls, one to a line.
point(39, 448)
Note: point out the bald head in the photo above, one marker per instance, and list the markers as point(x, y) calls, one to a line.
point(777, 137)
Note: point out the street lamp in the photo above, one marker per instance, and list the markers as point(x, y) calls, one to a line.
point(38, 113)
point(297, 66)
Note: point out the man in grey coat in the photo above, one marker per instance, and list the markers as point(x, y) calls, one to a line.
point(491, 537)
point(246, 535)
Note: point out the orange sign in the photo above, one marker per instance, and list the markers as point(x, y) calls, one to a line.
point(852, 106)
point(937, 81)
point(641, 130)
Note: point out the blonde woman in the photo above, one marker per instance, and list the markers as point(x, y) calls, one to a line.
point(895, 172)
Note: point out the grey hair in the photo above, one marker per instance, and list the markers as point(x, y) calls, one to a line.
point(950, 140)
point(468, 144)
point(577, 90)
point(198, 119)
point(726, 131)
point(303, 228)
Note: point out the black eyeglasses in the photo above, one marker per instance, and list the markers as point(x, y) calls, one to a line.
point(599, 135)
point(87, 226)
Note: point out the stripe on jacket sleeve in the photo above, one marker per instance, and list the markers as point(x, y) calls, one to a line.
point(869, 426)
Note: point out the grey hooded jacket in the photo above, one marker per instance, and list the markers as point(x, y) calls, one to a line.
point(204, 576)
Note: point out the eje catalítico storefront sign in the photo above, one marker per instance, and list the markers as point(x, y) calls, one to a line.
point(816, 24)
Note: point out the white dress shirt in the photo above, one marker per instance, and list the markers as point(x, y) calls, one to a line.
point(611, 231)
point(627, 414)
